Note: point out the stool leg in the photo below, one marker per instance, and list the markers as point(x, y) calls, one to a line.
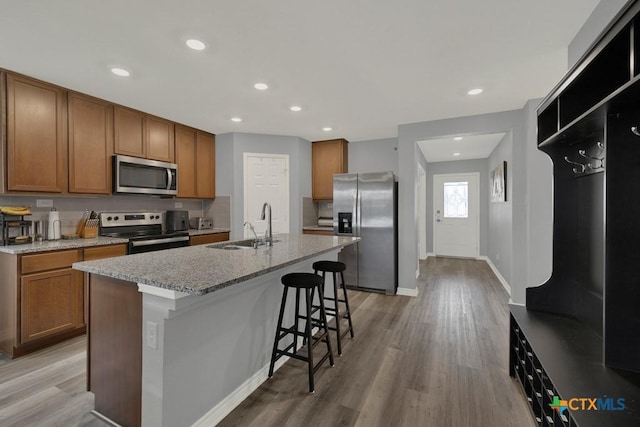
point(323, 316)
point(278, 326)
point(346, 303)
point(309, 341)
point(336, 310)
point(295, 322)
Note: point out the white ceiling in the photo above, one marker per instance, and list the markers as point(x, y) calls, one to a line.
point(469, 147)
point(360, 66)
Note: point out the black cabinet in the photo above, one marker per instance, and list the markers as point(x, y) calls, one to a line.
point(579, 334)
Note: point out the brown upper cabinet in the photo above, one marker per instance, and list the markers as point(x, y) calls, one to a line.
point(195, 156)
point(142, 135)
point(36, 136)
point(328, 158)
point(90, 144)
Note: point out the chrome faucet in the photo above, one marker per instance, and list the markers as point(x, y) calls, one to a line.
point(268, 235)
point(253, 230)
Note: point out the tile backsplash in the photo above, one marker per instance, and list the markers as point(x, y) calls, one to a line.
point(72, 208)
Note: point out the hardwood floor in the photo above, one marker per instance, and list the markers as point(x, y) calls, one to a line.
point(436, 360)
point(47, 388)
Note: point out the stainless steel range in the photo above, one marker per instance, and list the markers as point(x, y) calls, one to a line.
point(144, 230)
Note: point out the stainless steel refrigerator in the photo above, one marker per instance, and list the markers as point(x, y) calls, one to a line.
point(366, 205)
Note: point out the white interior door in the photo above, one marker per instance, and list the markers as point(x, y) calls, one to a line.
point(266, 179)
point(456, 213)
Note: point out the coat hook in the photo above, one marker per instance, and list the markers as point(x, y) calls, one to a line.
point(584, 154)
point(600, 145)
point(635, 130)
point(575, 170)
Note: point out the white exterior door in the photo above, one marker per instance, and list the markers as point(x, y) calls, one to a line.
point(456, 229)
point(266, 179)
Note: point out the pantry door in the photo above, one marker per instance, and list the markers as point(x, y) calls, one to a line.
point(266, 179)
point(456, 213)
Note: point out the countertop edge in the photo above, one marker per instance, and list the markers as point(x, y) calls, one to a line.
point(89, 267)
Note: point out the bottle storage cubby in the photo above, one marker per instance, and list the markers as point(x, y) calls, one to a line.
point(555, 356)
point(537, 386)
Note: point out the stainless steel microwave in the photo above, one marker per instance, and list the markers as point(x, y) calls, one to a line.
point(142, 176)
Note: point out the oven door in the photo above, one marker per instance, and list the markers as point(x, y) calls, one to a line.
point(143, 176)
point(156, 244)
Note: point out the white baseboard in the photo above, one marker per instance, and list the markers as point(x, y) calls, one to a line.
point(417, 273)
point(430, 254)
point(516, 303)
point(502, 280)
point(407, 292)
point(229, 403)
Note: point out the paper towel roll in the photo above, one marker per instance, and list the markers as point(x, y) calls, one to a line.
point(53, 225)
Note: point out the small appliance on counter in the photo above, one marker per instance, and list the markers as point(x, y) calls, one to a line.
point(177, 221)
point(201, 223)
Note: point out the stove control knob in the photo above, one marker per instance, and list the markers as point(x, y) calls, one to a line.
point(116, 218)
point(108, 218)
point(157, 216)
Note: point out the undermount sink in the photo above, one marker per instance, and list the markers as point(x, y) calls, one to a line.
point(241, 244)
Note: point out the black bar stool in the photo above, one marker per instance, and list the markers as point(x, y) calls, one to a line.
point(335, 268)
point(309, 282)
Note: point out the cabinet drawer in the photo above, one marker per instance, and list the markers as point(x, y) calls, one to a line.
point(105, 252)
point(49, 261)
point(208, 238)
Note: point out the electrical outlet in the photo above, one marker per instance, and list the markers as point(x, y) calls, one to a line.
point(178, 205)
point(44, 203)
point(152, 335)
point(329, 205)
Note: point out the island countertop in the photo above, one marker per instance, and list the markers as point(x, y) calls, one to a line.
point(198, 270)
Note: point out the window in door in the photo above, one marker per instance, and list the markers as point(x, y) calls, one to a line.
point(456, 199)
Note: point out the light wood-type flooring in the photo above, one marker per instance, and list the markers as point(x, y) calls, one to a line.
point(440, 359)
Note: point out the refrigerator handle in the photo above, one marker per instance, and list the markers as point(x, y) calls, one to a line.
point(358, 205)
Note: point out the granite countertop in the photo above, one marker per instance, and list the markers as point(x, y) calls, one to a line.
point(193, 232)
point(57, 245)
point(318, 228)
point(201, 269)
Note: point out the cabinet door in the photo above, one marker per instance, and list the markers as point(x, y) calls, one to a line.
point(50, 303)
point(129, 132)
point(206, 166)
point(328, 158)
point(159, 139)
point(90, 144)
point(186, 160)
point(36, 136)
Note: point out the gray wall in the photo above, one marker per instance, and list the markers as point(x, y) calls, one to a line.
point(230, 173)
point(409, 156)
point(540, 205)
point(461, 166)
point(500, 218)
point(375, 155)
point(604, 12)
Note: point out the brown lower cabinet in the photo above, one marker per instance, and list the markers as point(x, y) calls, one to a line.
point(42, 299)
point(319, 232)
point(205, 239)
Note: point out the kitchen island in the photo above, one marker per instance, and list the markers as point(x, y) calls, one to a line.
point(182, 336)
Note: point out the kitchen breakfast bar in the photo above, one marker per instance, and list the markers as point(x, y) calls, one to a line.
point(181, 336)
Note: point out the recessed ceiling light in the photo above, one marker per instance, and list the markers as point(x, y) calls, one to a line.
point(120, 72)
point(327, 129)
point(477, 91)
point(457, 138)
point(456, 154)
point(195, 44)
point(295, 108)
point(261, 86)
point(236, 119)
